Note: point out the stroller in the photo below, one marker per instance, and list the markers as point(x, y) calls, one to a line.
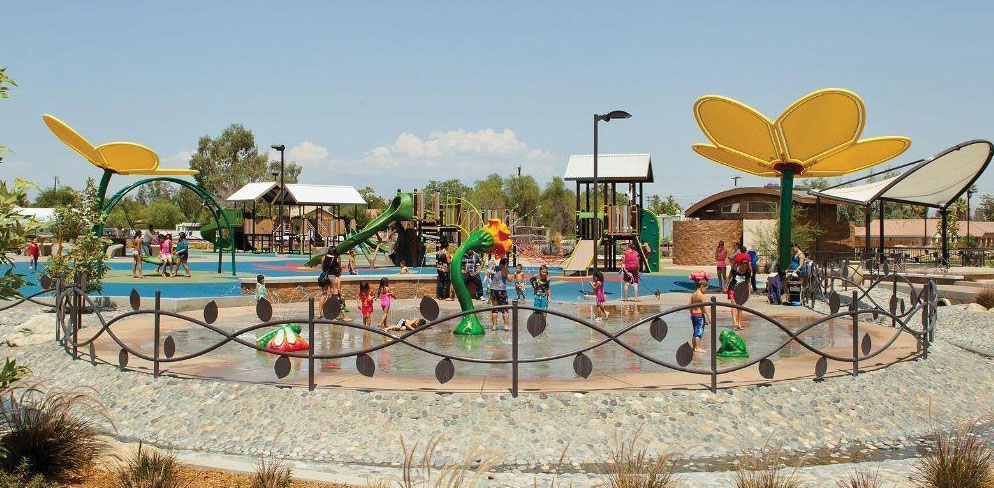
point(795, 283)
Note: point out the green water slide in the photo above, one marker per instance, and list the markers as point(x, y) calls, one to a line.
point(650, 234)
point(401, 209)
point(209, 232)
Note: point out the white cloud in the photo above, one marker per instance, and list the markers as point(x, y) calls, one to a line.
point(182, 157)
point(307, 152)
point(460, 147)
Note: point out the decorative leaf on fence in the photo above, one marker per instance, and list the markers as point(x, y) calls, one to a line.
point(264, 310)
point(210, 312)
point(741, 293)
point(658, 329)
point(903, 306)
point(332, 308)
point(122, 358)
point(365, 364)
point(767, 369)
point(834, 302)
point(893, 304)
point(429, 309)
point(914, 295)
point(46, 282)
point(282, 367)
point(865, 344)
point(169, 347)
point(582, 365)
point(136, 299)
point(536, 324)
point(886, 269)
point(93, 355)
point(684, 354)
point(821, 367)
point(444, 370)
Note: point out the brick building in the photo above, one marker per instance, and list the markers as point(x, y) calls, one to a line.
point(726, 215)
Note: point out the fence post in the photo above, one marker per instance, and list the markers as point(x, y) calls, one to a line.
point(926, 318)
point(855, 333)
point(156, 334)
point(310, 344)
point(77, 317)
point(714, 345)
point(514, 348)
point(58, 310)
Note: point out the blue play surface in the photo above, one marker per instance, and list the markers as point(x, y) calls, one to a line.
point(206, 282)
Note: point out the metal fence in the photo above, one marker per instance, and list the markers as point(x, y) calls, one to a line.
point(823, 288)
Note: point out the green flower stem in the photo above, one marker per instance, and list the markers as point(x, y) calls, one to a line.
point(480, 241)
point(786, 201)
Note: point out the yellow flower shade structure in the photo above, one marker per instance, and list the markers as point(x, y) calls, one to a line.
point(816, 136)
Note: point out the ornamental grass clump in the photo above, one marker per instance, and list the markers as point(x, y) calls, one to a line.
point(765, 469)
point(148, 468)
point(959, 459)
point(860, 479)
point(632, 466)
point(985, 297)
point(419, 471)
point(272, 474)
point(53, 433)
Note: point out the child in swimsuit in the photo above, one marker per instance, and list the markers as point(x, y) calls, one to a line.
point(366, 303)
point(519, 282)
point(698, 317)
point(540, 284)
point(407, 324)
point(598, 284)
point(385, 295)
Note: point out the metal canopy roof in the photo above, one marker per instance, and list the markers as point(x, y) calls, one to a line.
point(299, 194)
point(610, 168)
point(934, 182)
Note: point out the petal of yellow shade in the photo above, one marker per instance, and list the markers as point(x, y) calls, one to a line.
point(732, 124)
point(128, 158)
point(820, 123)
point(74, 140)
point(736, 161)
point(862, 155)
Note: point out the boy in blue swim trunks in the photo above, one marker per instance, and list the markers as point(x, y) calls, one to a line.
point(698, 315)
point(541, 284)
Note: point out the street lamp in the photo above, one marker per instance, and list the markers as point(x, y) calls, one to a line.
point(617, 114)
point(969, 193)
point(281, 148)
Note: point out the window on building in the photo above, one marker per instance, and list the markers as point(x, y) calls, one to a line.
point(730, 209)
point(760, 207)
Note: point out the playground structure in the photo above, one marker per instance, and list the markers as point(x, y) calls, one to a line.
point(602, 237)
point(816, 136)
point(128, 158)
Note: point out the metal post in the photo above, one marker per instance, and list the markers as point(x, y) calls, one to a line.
point(714, 345)
point(58, 310)
point(156, 333)
point(945, 237)
point(596, 236)
point(514, 348)
point(867, 213)
point(310, 344)
point(880, 245)
point(855, 333)
point(923, 341)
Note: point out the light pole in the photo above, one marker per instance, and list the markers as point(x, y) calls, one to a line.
point(969, 193)
point(281, 148)
point(616, 114)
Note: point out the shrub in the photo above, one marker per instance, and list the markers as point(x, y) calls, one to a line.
point(960, 459)
point(763, 469)
point(148, 468)
point(630, 466)
point(860, 479)
point(22, 478)
point(275, 474)
point(985, 297)
point(11, 372)
point(52, 433)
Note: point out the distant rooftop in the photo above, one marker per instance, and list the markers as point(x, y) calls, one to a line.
point(615, 168)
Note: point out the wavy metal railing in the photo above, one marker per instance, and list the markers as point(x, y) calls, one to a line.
point(821, 284)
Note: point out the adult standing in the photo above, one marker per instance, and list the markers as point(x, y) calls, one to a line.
point(721, 258)
point(443, 266)
point(741, 271)
point(182, 255)
point(754, 258)
point(471, 264)
point(630, 274)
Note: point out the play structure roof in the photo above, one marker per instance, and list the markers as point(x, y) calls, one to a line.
point(934, 182)
point(610, 168)
point(39, 214)
point(299, 194)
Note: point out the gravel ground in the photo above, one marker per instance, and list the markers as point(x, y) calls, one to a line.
point(883, 411)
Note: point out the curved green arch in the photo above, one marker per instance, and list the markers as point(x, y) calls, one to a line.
point(212, 204)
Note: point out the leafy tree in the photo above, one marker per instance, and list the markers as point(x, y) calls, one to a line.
point(659, 206)
point(162, 214)
point(451, 187)
point(557, 211)
point(15, 230)
point(815, 183)
point(52, 197)
point(291, 171)
point(522, 195)
point(155, 190)
point(488, 193)
point(5, 83)
point(802, 231)
point(373, 201)
point(228, 162)
point(125, 213)
point(192, 206)
point(86, 256)
point(985, 209)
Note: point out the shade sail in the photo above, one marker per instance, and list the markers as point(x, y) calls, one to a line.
point(298, 194)
point(610, 167)
point(254, 191)
point(934, 182)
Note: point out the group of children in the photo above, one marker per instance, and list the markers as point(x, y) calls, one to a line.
point(498, 278)
point(171, 254)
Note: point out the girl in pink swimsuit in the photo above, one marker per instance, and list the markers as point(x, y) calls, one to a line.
point(385, 295)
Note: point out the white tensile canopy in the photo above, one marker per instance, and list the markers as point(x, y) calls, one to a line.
point(935, 182)
point(299, 194)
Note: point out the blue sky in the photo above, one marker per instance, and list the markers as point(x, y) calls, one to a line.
point(392, 94)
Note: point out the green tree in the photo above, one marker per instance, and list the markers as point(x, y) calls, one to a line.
point(228, 162)
point(451, 187)
point(155, 190)
point(192, 206)
point(488, 193)
point(985, 209)
point(15, 230)
point(669, 206)
point(51, 197)
point(5, 83)
point(86, 255)
point(373, 200)
point(291, 171)
point(125, 213)
point(557, 212)
point(802, 231)
point(162, 214)
point(522, 195)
